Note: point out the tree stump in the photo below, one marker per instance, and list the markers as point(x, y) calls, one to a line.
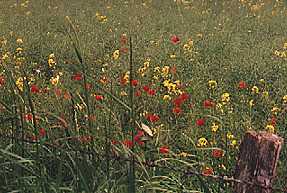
point(258, 156)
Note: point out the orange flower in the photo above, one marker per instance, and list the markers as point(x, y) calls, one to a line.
point(207, 171)
point(217, 153)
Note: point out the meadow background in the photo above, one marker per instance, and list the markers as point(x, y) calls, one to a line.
point(79, 113)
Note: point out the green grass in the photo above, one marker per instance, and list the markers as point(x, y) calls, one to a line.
point(83, 148)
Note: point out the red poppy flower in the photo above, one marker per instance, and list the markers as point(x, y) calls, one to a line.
point(134, 83)
point(58, 92)
point(207, 171)
point(146, 88)
point(217, 153)
point(114, 142)
point(138, 136)
point(124, 39)
point(184, 96)
point(152, 118)
point(200, 122)
point(77, 76)
point(177, 102)
point(67, 95)
point(164, 150)
point(99, 97)
point(177, 110)
point(124, 50)
point(34, 89)
point(273, 121)
point(88, 86)
point(2, 80)
point(123, 81)
point(138, 93)
point(151, 92)
point(208, 103)
point(128, 143)
point(174, 39)
point(242, 84)
point(42, 132)
point(28, 117)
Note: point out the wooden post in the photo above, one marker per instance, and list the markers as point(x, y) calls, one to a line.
point(258, 156)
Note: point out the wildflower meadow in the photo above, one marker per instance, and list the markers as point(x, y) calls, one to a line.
point(137, 96)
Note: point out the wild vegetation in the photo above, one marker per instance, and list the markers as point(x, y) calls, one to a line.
point(137, 95)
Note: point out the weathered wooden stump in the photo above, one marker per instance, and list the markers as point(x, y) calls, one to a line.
point(258, 156)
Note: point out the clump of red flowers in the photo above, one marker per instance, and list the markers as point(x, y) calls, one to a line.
point(134, 82)
point(242, 84)
point(200, 122)
point(164, 150)
point(34, 89)
point(177, 110)
point(2, 81)
point(178, 101)
point(207, 171)
point(77, 76)
point(129, 143)
point(217, 153)
point(152, 118)
point(174, 39)
point(99, 97)
point(208, 103)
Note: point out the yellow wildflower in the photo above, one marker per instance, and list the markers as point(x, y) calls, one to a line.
point(123, 93)
point(55, 80)
point(270, 128)
point(166, 97)
point(214, 127)
point(116, 54)
point(202, 142)
point(284, 99)
point(19, 50)
point(212, 84)
point(5, 56)
point(51, 61)
point(147, 63)
point(275, 110)
point(233, 142)
point(19, 41)
point(165, 71)
point(20, 83)
point(225, 97)
point(172, 56)
point(265, 94)
point(229, 135)
point(255, 90)
point(251, 103)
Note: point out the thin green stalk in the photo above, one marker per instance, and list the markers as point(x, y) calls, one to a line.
point(132, 183)
point(108, 142)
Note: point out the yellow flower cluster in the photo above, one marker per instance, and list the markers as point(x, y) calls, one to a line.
point(172, 87)
point(142, 70)
point(282, 53)
point(233, 141)
point(101, 18)
point(52, 61)
point(214, 127)
point(202, 142)
point(212, 84)
point(20, 83)
point(188, 47)
point(225, 98)
point(270, 128)
point(116, 54)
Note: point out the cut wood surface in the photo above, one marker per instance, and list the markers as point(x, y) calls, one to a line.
point(258, 157)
